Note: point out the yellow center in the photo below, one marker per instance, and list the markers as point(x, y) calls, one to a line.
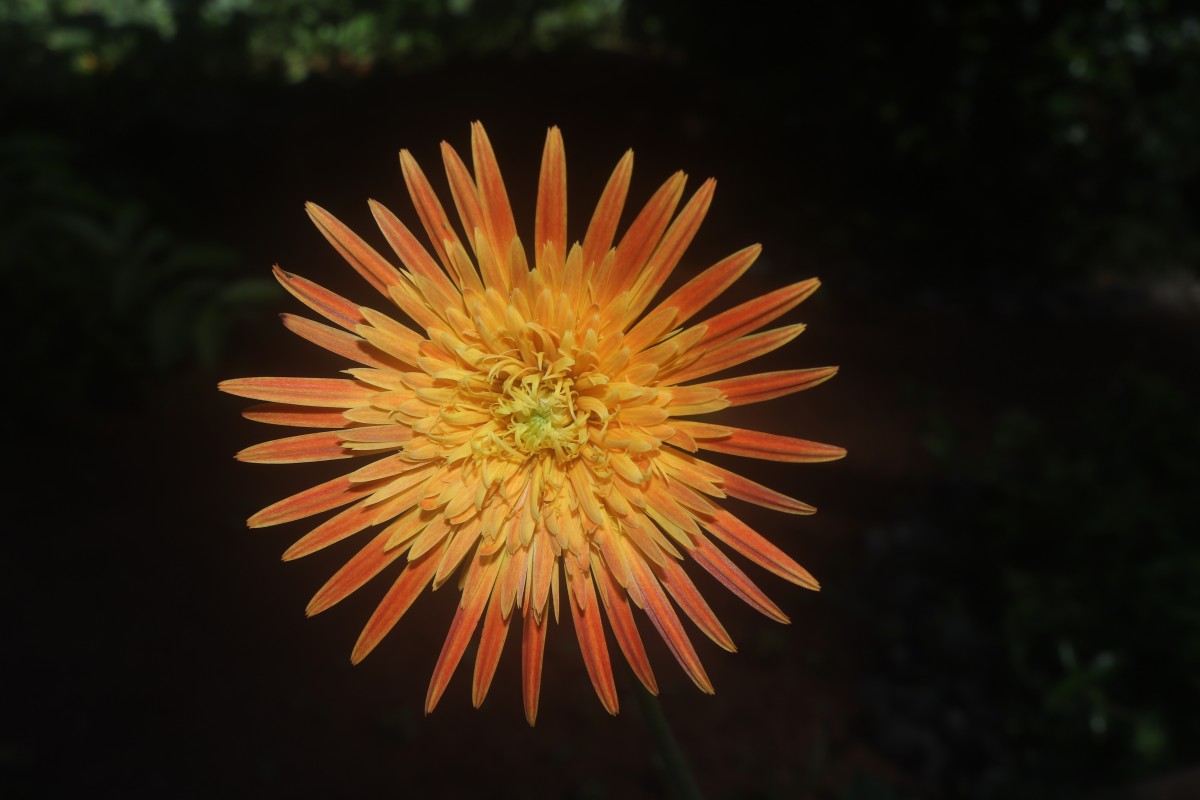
point(538, 413)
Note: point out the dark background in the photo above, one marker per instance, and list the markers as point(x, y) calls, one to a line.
point(1001, 199)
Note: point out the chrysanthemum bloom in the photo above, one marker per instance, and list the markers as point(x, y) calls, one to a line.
point(536, 423)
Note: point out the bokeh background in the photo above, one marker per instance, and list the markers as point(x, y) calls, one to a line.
point(1002, 200)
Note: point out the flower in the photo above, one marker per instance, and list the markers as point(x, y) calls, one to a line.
point(536, 424)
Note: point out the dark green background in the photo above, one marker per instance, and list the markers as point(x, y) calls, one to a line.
point(1001, 199)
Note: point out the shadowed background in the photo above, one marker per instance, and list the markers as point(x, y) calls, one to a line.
point(1001, 200)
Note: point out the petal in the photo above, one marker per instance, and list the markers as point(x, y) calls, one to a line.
point(297, 416)
point(332, 306)
point(360, 255)
point(741, 537)
point(327, 392)
point(701, 290)
point(324, 446)
point(585, 611)
point(533, 644)
point(769, 385)
point(550, 220)
point(603, 226)
point(322, 497)
point(771, 447)
point(395, 603)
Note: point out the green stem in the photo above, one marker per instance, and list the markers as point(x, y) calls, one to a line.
point(683, 783)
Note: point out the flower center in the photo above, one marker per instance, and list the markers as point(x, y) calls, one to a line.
point(538, 413)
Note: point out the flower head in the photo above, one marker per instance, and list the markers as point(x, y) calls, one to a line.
point(534, 424)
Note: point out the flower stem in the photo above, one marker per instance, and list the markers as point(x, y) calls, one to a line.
point(679, 774)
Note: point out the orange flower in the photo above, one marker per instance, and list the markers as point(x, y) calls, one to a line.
point(535, 423)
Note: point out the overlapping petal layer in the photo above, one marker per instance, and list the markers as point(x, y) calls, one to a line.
point(530, 425)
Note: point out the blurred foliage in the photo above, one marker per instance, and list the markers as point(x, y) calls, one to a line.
point(100, 289)
point(994, 144)
point(293, 37)
point(1039, 615)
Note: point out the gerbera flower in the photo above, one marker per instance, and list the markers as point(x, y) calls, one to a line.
point(534, 424)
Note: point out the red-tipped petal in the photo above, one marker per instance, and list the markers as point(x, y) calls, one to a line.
point(643, 236)
point(429, 208)
point(368, 563)
point(733, 353)
point(666, 256)
point(550, 220)
point(658, 608)
point(491, 644)
point(585, 611)
point(742, 488)
point(411, 252)
point(701, 290)
point(533, 645)
point(297, 416)
point(771, 447)
point(720, 567)
point(688, 597)
point(326, 392)
point(395, 603)
point(769, 385)
point(325, 446)
point(322, 497)
point(338, 527)
point(753, 314)
point(343, 344)
point(332, 306)
point(603, 226)
point(620, 617)
point(497, 211)
point(747, 541)
point(466, 619)
point(366, 262)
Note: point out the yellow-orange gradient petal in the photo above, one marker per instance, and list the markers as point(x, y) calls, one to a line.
point(529, 417)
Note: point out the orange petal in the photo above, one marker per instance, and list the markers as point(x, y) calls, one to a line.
point(769, 385)
point(360, 255)
point(412, 254)
point(429, 208)
point(744, 539)
point(297, 416)
point(325, 446)
point(753, 314)
point(732, 353)
point(395, 603)
point(720, 567)
point(327, 392)
point(464, 192)
point(501, 226)
point(642, 238)
point(599, 237)
point(331, 494)
point(745, 489)
point(368, 563)
point(771, 447)
point(491, 644)
point(658, 608)
point(332, 306)
point(688, 597)
point(466, 619)
point(590, 632)
point(666, 256)
point(550, 220)
point(347, 523)
point(343, 344)
point(708, 285)
point(533, 644)
point(620, 617)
